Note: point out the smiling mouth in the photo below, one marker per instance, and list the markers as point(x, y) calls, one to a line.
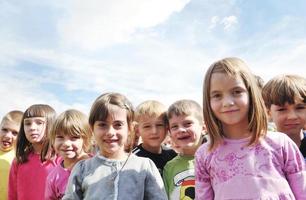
point(6, 143)
point(291, 125)
point(230, 111)
point(111, 141)
point(184, 138)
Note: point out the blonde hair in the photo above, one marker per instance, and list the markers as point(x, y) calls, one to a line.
point(14, 116)
point(72, 123)
point(186, 107)
point(257, 117)
point(151, 108)
point(284, 89)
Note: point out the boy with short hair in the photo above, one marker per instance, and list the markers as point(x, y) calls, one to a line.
point(285, 99)
point(9, 128)
point(151, 126)
point(186, 125)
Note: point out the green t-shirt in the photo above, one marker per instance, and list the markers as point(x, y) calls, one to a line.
point(179, 178)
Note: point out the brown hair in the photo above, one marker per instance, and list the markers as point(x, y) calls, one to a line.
point(284, 89)
point(103, 105)
point(24, 147)
point(257, 116)
point(186, 107)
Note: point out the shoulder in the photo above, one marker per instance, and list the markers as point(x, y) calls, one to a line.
point(168, 151)
point(139, 151)
point(140, 163)
point(203, 150)
point(277, 138)
point(87, 164)
point(177, 159)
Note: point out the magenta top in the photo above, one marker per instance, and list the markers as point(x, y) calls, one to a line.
point(272, 169)
point(56, 183)
point(27, 180)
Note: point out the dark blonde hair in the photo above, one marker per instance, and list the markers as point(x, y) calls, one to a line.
point(72, 123)
point(284, 89)
point(151, 108)
point(14, 116)
point(186, 107)
point(102, 106)
point(257, 117)
point(24, 147)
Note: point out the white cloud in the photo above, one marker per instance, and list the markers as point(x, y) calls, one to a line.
point(95, 24)
point(213, 22)
point(226, 22)
point(229, 22)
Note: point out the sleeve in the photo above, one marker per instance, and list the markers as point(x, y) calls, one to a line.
point(295, 169)
point(203, 188)
point(74, 190)
point(49, 189)
point(165, 179)
point(12, 183)
point(154, 188)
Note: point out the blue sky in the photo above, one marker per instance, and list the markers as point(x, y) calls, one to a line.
point(67, 53)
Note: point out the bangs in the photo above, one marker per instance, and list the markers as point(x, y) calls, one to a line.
point(284, 89)
point(282, 94)
point(70, 128)
point(35, 111)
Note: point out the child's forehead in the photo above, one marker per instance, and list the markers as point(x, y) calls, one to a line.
point(145, 118)
point(35, 119)
point(175, 117)
point(10, 125)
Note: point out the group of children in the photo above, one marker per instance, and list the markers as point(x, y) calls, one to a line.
point(222, 150)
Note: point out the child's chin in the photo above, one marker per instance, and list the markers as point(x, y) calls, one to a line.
point(6, 149)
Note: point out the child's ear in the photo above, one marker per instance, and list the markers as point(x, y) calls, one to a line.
point(136, 130)
point(269, 115)
point(203, 128)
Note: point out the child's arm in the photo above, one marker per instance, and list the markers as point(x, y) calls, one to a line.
point(295, 169)
point(49, 189)
point(74, 189)
point(203, 188)
point(154, 188)
point(165, 179)
point(12, 184)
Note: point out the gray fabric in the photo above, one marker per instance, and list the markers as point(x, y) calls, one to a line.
point(98, 178)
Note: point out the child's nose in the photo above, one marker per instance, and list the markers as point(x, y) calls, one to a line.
point(67, 142)
point(181, 128)
point(154, 129)
point(292, 114)
point(111, 131)
point(228, 101)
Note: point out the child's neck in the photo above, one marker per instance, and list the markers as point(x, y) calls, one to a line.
point(156, 150)
point(120, 155)
point(37, 147)
point(236, 132)
point(297, 138)
point(69, 163)
point(188, 151)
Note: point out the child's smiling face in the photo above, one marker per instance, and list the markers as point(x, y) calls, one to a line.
point(111, 135)
point(8, 135)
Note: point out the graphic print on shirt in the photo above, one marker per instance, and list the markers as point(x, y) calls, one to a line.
point(184, 185)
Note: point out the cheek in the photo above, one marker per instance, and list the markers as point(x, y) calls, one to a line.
point(214, 106)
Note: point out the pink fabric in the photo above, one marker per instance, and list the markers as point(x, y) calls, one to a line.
point(272, 169)
point(27, 180)
point(56, 183)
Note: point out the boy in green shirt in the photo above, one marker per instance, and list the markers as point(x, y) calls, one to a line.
point(186, 127)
